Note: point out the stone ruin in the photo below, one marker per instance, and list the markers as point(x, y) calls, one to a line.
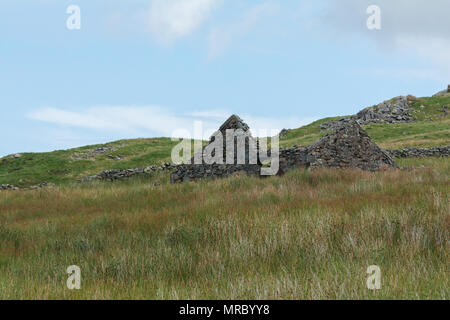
point(289, 158)
point(199, 169)
point(348, 146)
point(241, 132)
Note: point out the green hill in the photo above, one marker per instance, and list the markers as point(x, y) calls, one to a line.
point(431, 129)
point(310, 234)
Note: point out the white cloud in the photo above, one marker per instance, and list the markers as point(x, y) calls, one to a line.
point(407, 27)
point(155, 121)
point(169, 20)
point(221, 37)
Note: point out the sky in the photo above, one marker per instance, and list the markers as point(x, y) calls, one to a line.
point(150, 68)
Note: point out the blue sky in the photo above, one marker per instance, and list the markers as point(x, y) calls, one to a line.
point(144, 68)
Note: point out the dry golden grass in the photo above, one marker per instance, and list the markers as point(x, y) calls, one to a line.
point(306, 235)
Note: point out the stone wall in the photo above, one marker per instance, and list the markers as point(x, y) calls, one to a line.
point(191, 172)
point(420, 152)
point(38, 186)
point(341, 149)
point(118, 174)
point(8, 187)
point(292, 158)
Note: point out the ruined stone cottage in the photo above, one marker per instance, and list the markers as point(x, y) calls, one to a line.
point(348, 146)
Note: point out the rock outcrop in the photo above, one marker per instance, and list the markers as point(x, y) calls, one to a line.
point(396, 110)
point(283, 133)
point(443, 92)
point(92, 154)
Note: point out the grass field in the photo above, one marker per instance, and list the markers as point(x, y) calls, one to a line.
point(306, 235)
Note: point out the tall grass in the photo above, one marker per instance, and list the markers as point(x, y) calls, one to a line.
point(306, 235)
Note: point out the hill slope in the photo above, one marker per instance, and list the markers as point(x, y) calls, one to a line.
point(431, 129)
point(306, 235)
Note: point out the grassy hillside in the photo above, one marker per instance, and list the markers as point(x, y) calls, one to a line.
point(431, 129)
point(69, 165)
point(60, 167)
point(306, 235)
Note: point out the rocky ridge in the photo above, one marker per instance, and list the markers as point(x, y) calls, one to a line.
point(443, 92)
point(396, 110)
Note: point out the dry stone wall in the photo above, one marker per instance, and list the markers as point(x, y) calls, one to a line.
point(8, 187)
point(118, 174)
point(38, 186)
point(191, 172)
point(420, 152)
